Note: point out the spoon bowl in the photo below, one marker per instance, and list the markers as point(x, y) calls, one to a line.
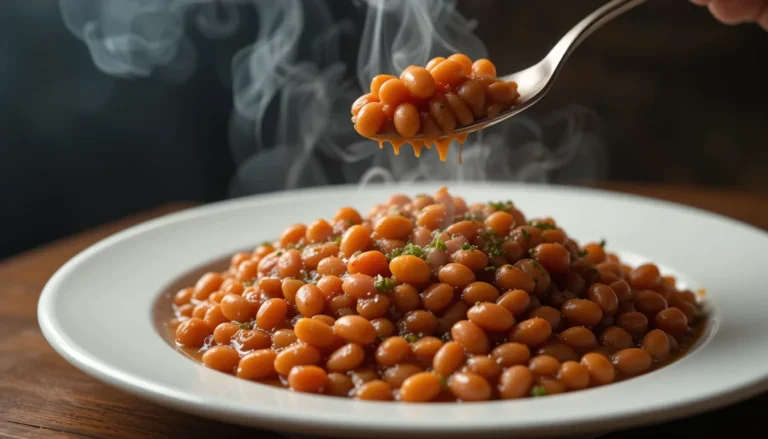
point(535, 81)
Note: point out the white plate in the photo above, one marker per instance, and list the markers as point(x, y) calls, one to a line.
point(96, 312)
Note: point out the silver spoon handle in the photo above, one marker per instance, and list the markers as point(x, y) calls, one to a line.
point(586, 26)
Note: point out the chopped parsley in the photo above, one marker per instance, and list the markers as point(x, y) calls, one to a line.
point(246, 325)
point(602, 243)
point(526, 234)
point(477, 303)
point(336, 240)
point(541, 225)
point(409, 249)
point(279, 253)
point(501, 205)
point(466, 246)
point(490, 268)
point(538, 391)
point(421, 195)
point(492, 243)
point(438, 244)
point(266, 244)
point(531, 251)
point(298, 246)
point(443, 381)
point(583, 253)
point(350, 222)
point(383, 284)
point(247, 283)
point(411, 338)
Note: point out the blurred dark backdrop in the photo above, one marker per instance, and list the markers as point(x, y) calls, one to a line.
point(681, 98)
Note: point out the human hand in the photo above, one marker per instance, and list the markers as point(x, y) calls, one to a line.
point(733, 12)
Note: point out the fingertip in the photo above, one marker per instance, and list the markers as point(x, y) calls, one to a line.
point(701, 2)
point(733, 12)
point(762, 20)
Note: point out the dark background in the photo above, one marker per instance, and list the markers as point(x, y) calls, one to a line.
point(681, 98)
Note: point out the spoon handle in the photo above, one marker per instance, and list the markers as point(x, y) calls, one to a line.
point(586, 26)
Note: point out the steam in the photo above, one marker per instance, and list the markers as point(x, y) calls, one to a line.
point(291, 90)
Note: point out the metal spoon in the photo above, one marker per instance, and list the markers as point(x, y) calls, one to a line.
point(535, 81)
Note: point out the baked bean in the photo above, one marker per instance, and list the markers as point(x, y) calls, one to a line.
point(537, 273)
point(460, 109)
point(515, 301)
point(457, 311)
point(271, 287)
point(361, 101)
point(271, 314)
point(283, 338)
point(441, 112)
point(645, 277)
point(363, 375)
point(547, 313)
point(672, 320)
point(289, 287)
point(491, 317)
point(348, 215)
point(464, 61)
point(515, 382)
point(420, 322)
point(635, 323)
point(355, 329)
point(338, 384)
point(527, 237)
point(267, 266)
point(599, 367)
point(372, 308)
point(574, 375)
point(553, 257)
point(482, 292)
point(579, 338)
point(405, 298)
point(616, 338)
point(183, 296)
point(425, 349)
point(310, 300)
point(531, 332)
point(207, 284)
point(649, 302)
point(359, 286)
point(544, 365)
point(448, 359)
point(224, 332)
point(348, 357)
point(185, 310)
point(394, 226)
point(582, 312)
point(292, 235)
point(656, 343)
point(355, 239)
point(437, 297)
point(554, 236)
point(447, 73)
point(510, 277)
point(456, 275)
point(471, 337)
point(595, 253)
point(500, 222)
point(372, 263)
point(473, 259)
point(561, 351)
point(510, 354)
point(484, 366)
point(483, 67)
point(605, 298)
point(257, 365)
point(236, 308)
point(467, 386)
point(221, 358)
point(309, 379)
point(314, 253)
point(433, 216)
point(632, 361)
point(377, 82)
point(393, 92)
point(473, 94)
point(250, 340)
point(331, 265)
point(420, 387)
point(397, 374)
point(375, 390)
point(410, 269)
point(193, 332)
point(314, 332)
point(213, 317)
point(429, 126)
point(337, 304)
point(419, 81)
point(384, 328)
point(392, 351)
point(328, 320)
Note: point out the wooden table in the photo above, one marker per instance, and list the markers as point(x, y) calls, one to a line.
point(41, 395)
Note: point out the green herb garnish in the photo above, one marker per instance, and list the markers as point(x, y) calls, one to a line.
point(438, 244)
point(409, 249)
point(411, 338)
point(602, 243)
point(526, 234)
point(336, 240)
point(490, 268)
point(492, 243)
point(477, 303)
point(247, 283)
point(421, 195)
point(246, 325)
point(443, 381)
point(501, 205)
point(279, 253)
point(350, 222)
point(541, 225)
point(383, 284)
point(583, 253)
point(466, 246)
point(539, 391)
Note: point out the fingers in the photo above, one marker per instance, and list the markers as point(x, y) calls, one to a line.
point(763, 19)
point(733, 12)
point(701, 2)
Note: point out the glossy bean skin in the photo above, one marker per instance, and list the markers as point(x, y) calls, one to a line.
point(392, 351)
point(192, 332)
point(471, 337)
point(375, 390)
point(355, 329)
point(257, 365)
point(309, 379)
point(346, 358)
point(467, 386)
point(295, 355)
point(599, 367)
point(515, 382)
point(420, 387)
point(221, 358)
point(632, 361)
point(657, 344)
point(419, 81)
point(491, 317)
point(531, 332)
point(574, 375)
point(448, 359)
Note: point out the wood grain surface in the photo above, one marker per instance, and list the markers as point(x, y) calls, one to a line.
point(41, 395)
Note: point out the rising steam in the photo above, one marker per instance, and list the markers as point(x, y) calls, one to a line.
point(290, 126)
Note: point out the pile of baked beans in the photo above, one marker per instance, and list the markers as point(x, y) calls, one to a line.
point(433, 100)
point(431, 299)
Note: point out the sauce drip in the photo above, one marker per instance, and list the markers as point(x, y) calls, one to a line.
point(441, 145)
